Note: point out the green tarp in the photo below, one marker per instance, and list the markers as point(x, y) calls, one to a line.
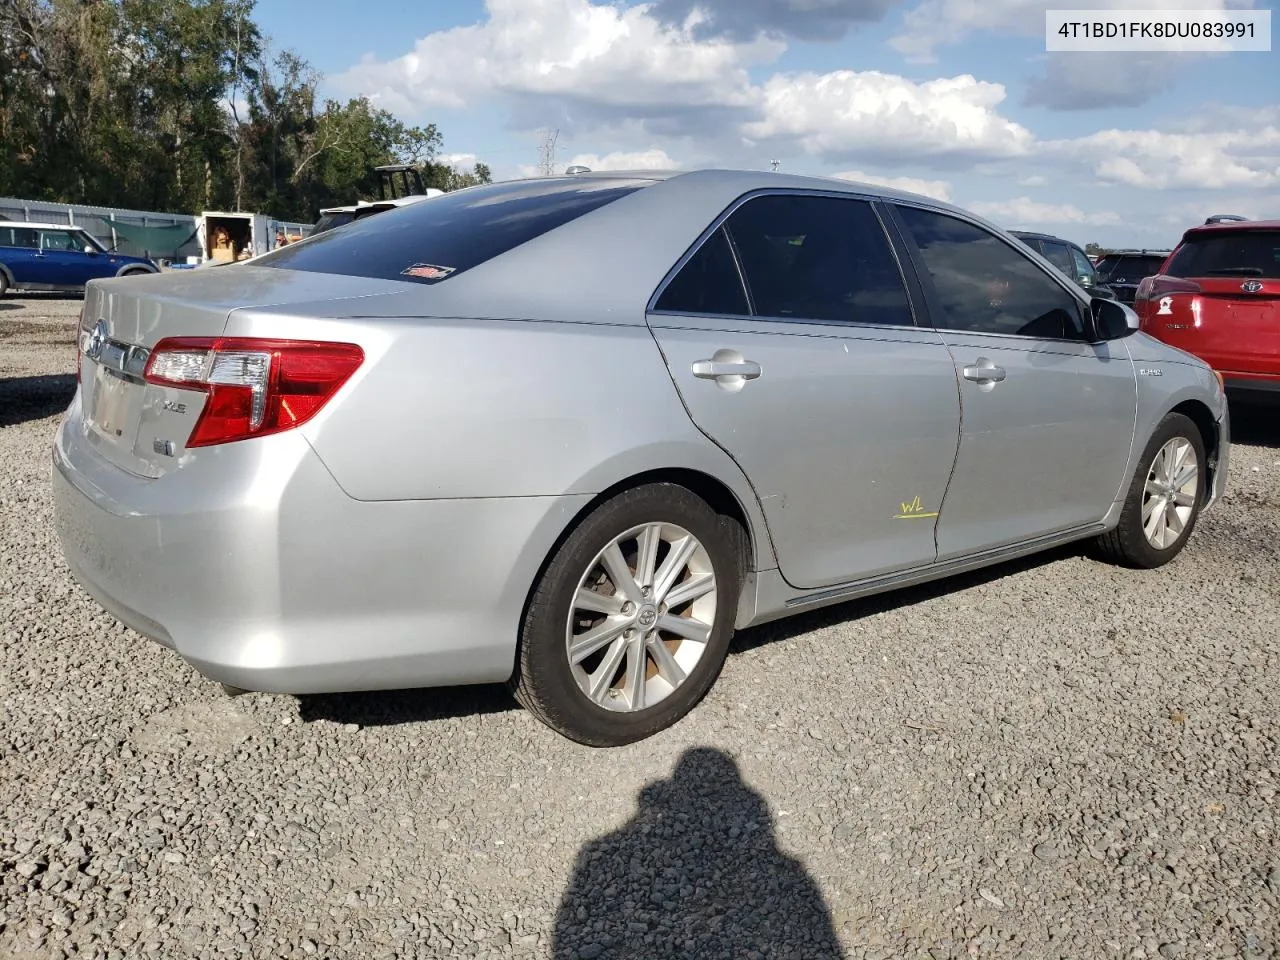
point(158, 240)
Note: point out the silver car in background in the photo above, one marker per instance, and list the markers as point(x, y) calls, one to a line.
point(570, 433)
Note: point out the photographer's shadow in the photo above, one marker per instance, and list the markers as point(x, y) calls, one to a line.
point(696, 873)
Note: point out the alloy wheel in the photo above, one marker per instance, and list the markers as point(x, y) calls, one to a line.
point(641, 617)
point(1169, 498)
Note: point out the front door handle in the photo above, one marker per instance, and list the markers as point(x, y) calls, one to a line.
point(985, 372)
point(715, 369)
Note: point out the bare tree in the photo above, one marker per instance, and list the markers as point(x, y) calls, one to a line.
point(547, 153)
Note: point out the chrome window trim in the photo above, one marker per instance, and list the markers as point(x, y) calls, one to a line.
point(738, 203)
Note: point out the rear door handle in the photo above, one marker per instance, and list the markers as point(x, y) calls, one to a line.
point(715, 369)
point(984, 372)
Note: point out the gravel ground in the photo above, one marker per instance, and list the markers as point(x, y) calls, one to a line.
point(1052, 759)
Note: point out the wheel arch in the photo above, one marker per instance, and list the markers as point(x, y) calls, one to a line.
point(1200, 414)
point(134, 270)
point(751, 539)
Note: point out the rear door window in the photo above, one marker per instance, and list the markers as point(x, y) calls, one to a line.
point(818, 259)
point(447, 235)
point(708, 283)
point(22, 237)
point(1244, 253)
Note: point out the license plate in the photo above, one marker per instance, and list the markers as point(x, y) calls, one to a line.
point(111, 404)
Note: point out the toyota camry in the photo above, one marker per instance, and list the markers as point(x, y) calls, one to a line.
point(570, 433)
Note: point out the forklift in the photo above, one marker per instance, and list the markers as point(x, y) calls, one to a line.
point(399, 184)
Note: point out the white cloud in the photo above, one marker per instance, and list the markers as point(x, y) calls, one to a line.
point(1191, 213)
point(846, 114)
point(1024, 211)
point(635, 90)
point(936, 23)
point(459, 161)
point(655, 159)
point(1154, 160)
point(938, 189)
point(617, 56)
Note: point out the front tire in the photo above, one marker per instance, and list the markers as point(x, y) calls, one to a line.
point(1164, 498)
point(4, 283)
point(630, 622)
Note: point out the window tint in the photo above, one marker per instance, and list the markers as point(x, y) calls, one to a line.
point(1084, 269)
point(818, 258)
point(60, 240)
point(983, 284)
point(1129, 269)
point(331, 220)
point(437, 238)
point(1060, 256)
point(18, 237)
point(708, 283)
point(1252, 253)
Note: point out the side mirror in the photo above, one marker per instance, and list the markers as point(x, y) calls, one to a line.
point(91, 251)
point(1113, 320)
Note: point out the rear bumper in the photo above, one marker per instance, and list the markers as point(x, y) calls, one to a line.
point(259, 571)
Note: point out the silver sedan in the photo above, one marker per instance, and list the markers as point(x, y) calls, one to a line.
point(569, 433)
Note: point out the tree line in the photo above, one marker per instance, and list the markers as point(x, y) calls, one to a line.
point(182, 105)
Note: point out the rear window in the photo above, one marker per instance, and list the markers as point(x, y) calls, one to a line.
point(1128, 268)
point(1251, 253)
point(438, 238)
point(331, 220)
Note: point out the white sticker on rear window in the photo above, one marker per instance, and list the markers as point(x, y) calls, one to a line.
point(426, 271)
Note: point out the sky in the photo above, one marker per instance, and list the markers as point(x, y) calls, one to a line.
point(956, 99)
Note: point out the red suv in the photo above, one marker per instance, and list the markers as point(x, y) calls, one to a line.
point(1218, 296)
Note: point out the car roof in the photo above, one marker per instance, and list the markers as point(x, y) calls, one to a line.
point(1040, 236)
point(1234, 226)
point(622, 248)
point(747, 180)
point(36, 225)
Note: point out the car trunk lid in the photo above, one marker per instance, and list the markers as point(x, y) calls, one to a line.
point(143, 427)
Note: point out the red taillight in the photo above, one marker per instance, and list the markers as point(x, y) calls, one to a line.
point(1161, 285)
point(255, 387)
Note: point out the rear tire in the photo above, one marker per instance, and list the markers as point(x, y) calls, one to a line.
point(4, 283)
point(630, 622)
point(1164, 498)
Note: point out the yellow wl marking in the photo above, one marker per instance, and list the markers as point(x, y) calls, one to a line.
point(914, 510)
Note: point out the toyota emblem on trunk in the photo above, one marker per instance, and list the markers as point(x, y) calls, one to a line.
point(1251, 286)
point(93, 348)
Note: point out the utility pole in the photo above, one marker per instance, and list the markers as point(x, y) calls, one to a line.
point(547, 153)
point(774, 165)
